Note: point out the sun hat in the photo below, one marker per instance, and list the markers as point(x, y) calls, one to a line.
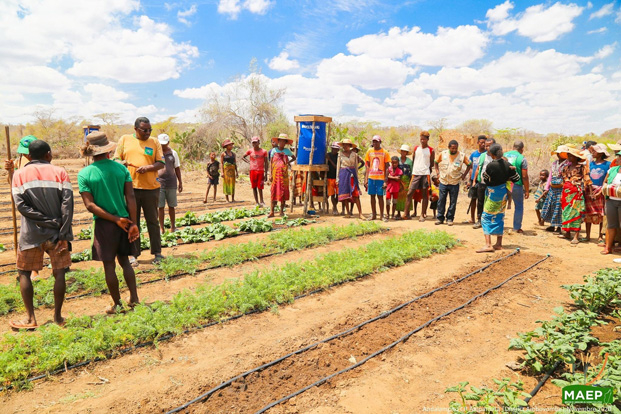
point(226, 143)
point(577, 153)
point(347, 141)
point(255, 139)
point(601, 149)
point(377, 138)
point(406, 147)
point(163, 139)
point(24, 144)
point(335, 145)
point(614, 147)
point(97, 143)
point(561, 149)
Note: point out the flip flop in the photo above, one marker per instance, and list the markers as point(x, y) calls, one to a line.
point(574, 242)
point(17, 325)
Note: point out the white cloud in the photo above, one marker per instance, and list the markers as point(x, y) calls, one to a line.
point(364, 71)
point(198, 93)
point(605, 51)
point(282, 63)
point(234, 7)
point(101, 92)
point(600, 30)
point(458, 46)
point(182, 15)
point(607, 9)
point(538, 23)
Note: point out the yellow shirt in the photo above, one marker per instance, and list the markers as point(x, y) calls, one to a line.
point(139, 153)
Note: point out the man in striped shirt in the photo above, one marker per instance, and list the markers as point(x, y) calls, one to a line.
point(44, 197)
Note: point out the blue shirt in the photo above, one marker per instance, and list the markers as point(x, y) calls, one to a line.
point(474, 159)
point(598, 172)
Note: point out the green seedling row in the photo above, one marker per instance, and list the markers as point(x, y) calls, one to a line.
point(85, 338)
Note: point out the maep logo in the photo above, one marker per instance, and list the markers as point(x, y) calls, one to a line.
point(586, 394)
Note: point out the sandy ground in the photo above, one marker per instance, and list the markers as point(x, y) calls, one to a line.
point(469, 345)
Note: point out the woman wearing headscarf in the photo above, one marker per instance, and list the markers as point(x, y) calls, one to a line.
point(594, 198)
point(495, 176)
point(551, 210)
point(347, 173)
point(575, 179)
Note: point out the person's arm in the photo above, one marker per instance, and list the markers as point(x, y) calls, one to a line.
point(134, 229)
point(178, 174)
point(436, 164)
point(235, 161)
point(208, 174)
point(432, 156)
point(468, 167)
point(525, 182)
point(222, 164)
point(292, 157)
point(245, 157)
point(27, 210)
point(266, 167)
point(66, 209)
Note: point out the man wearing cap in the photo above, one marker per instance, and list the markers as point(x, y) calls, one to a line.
point(258, 169)
point(449, 167)
point(422, 163)
point(376, 160)
point(521, 188)
point(170, 181)
point(333, 191)
point(44, 197)
point(107, 191)
point(142, 154)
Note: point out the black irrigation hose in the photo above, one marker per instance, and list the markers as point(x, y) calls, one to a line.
point(346, 332)
point(542, 381)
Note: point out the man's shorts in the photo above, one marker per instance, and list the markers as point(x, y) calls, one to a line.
point(392, 195)
point(333, 190)
point(418, 182)
point(257, 179)
point(376, 187)
point(168, 195)
point(32, 259)
point(110, 241)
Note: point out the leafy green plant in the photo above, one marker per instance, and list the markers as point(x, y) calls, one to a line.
point(599, 291)
point(84, 338)
point(85, 233)
point(256, 225)
point(508, 396)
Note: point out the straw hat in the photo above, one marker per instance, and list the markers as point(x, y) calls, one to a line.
point(615, 147)
point(406, 147)
point(347, 141)
point(97, 143)
point(577, 153)
point(284, 137)
point(226, 143)
point(601, 149)
point(561, 149)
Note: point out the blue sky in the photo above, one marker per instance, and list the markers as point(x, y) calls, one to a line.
point(547, 67)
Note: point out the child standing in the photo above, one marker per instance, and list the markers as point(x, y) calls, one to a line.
point(541, 194)
point(213, 176)
point(393, 185)
point(434, 195)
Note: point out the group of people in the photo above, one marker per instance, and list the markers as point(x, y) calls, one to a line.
point(139, 173)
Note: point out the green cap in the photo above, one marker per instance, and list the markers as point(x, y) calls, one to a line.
point(24, 144)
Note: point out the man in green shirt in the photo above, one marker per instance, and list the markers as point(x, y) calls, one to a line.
point(520, 188)
point(107, 191)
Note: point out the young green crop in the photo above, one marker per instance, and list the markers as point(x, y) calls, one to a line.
point(92, 281)
point(85, 338)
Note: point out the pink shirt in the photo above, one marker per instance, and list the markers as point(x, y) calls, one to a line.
point(393, 185)
point(257, 159)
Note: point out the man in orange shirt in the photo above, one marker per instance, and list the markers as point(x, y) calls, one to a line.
point(143, 156)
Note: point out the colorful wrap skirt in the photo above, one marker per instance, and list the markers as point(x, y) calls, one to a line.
point(228, 179)
point(572, 206)
point(493, 217)
point(280, 178)
point(348, 184)
point(594, 207)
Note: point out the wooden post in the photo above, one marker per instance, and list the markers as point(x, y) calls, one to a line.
point(309, 177)
point(8, 151)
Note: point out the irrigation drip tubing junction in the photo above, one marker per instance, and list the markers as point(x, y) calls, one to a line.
point(206, 395)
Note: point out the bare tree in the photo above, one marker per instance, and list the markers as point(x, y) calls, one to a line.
point(475, 127)
point(245, 109)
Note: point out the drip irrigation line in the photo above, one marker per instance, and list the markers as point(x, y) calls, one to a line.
point(169, 336)
point(542, 382)
point(207, 394)
point(395, 343)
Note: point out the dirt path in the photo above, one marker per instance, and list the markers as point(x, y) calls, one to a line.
point(469, 345)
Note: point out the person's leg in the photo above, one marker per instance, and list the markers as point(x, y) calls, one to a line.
point(408, 203)
point(424, 204)
point(138, 195)
point(453, 193)
point(27, 291)
point(282, 208)
point(356, 200)
point(518, 201)
point(610, 240)
point(480, 200)
point(256, 195)
point(112, 282)
point(509, 198)
point(160, 213)
point(149, 206)
point(172, 215)
point(272, 207)
point(161, 205)
point(215, 190)
point(130, 279)
point(60, 288)
point(587, 226)
point(601, 229)
point(261, 197)
point(373, 208)
point(488, 248)
point(380, 200)
point(443, 191)
point(539, 220)
point(207, 193)
point(473, 210)
point(498, 245)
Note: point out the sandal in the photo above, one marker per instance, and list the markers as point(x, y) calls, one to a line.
point(114, 310)
point(17, 325)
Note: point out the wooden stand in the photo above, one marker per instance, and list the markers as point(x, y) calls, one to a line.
point(309, 169)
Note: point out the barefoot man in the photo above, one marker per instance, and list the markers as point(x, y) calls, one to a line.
point(44, 197)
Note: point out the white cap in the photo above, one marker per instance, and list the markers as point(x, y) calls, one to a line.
point(163, 139)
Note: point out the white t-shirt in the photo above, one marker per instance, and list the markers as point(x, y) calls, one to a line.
point(422, 161)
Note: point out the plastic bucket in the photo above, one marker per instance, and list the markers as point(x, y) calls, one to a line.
point(304, 143)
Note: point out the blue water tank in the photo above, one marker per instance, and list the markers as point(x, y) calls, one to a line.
point(304, 143)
